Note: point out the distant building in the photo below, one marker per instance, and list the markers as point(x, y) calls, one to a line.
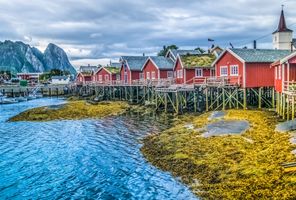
point(156, 68)
point(86, 74)
point(30, 77)
point(283, 37)
point(107, 75)
point(131, 68)
point(60, 80)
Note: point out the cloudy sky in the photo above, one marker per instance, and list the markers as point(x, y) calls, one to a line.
point(104, 29)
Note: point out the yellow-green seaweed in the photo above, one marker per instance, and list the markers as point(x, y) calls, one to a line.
point(72, 110)
point(246, 166)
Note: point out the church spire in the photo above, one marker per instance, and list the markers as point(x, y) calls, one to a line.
point(282, 24)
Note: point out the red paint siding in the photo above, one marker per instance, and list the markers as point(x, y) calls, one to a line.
point(123, 78)
point(164, 73)
point(150, 67)
point(177, 67)
point(106, 77)
point(189, 75)
point(135, 75)
point(227, 60)
point(259, 75)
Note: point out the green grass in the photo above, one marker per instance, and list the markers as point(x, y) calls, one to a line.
point(243, 166)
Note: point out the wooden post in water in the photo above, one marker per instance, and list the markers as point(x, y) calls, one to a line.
point(245, 98)
point(273, 98)
point(293, 107)
point(260, 98)
point(207, 100)
point(223, 97)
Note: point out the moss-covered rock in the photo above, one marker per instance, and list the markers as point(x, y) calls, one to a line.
point(72, 110)
point(227, 167)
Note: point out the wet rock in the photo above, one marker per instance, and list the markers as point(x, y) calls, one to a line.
point(226, 127)
point(217, 115)
point(286, 126)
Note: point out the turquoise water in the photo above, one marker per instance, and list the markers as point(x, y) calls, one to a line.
point(86, 159)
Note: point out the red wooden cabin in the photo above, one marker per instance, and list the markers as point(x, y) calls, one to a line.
point(85, 77)
point(131, 69)
point(285, 73)
point(107, 75)
point(249, 68)
point(158, 67)
point(195, 69)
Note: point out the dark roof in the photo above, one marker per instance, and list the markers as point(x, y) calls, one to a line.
point(135, 62)
point(88, 68)
point(162, 62)
point(282, 27)
point(113, 70)
point(294, 42)
point(115, 64)
point(177, 52)
point(260, 55)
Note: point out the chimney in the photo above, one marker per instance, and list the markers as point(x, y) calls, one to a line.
point(143, 54)
point(255, 44)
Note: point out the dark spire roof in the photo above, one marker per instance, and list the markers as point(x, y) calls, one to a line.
point(282, 24)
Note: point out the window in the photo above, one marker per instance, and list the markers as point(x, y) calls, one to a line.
point(213, 72)
point(100, 78)
point(198, 73)
point(170, 74)
point(106, 77)
point(141, 76)
point(280, 72)
point(276, 73)
point(180, 73)
point(118, 77)
point(148, 75)
point(234, 70)
point(224, 71)
point(152, 75)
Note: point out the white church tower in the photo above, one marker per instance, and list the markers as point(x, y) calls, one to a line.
point(282, 37)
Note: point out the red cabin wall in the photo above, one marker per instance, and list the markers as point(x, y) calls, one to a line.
point(178, 66)
point(103, 72)
point(190, 74)
point(122, 73)
point(135, 75)
point(164, 73)
point(227, 60)
point(150, 67)
point(259, 75)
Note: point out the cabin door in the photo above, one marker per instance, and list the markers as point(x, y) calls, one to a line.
point(125, 77)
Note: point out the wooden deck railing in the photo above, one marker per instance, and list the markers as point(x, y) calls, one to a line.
point(216, 81)
point(209, 81)
point(289, 87)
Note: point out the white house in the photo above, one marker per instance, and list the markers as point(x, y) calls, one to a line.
point(60, 80)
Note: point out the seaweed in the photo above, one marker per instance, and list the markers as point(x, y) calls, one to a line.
point(72, 110)
point(230, 166)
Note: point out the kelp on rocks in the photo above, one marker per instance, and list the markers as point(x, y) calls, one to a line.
point(246, 166)
point(72, 110)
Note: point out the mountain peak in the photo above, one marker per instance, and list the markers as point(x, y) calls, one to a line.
point(22, 57)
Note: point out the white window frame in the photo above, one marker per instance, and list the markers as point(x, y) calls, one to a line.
point(180, 73)
point(148, 75)
point(153, 75)
point(213, 72)
point(107, 78)
point(198, 72)
point(232, 67)
point(141, 76)
point(280, 72)
point(100, 78)
point(170, 74)
point(224, 67)
point(276, 73)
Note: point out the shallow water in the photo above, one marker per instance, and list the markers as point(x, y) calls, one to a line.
point(90, 159)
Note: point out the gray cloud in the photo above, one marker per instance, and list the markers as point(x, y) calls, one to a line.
point(110, 28)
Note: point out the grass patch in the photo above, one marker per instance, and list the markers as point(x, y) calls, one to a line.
point(73, 110)
point(243, 166)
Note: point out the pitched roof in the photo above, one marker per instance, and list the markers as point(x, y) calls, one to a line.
point(88, 68)
point(260, 55)
point(282, 27)
point(162, 62)
point(113, 70)
point(202, 60)
point(115, 64)
point(177, 52)
point(135, 62)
